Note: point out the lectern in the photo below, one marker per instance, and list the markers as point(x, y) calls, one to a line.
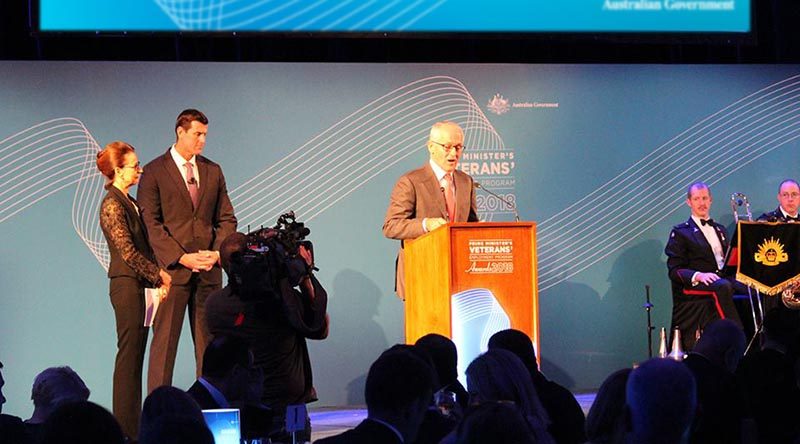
point(465, 279)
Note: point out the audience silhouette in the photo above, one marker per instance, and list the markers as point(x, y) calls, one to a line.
point(82, 422)
point(661, 398)
point(398, 390)
point(713, 362)
point(606, 421)
point(52, 388)
point(568, 420)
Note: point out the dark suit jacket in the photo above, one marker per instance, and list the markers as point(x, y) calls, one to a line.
point(567, 418)
point(127, 240)
point(688, 252)
point(13, 431)
point(368, 432)
point(720, 405)
point(200, 393)
point(277, 332)
point(174, 226)
point(418, 195)
point(774, 216)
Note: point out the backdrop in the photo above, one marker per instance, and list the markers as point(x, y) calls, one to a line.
point(598, 155)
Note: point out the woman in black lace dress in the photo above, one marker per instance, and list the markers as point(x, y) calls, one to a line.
point(132, 269)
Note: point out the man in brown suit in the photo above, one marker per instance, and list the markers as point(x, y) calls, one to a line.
point(429, 197)
point(188, 214)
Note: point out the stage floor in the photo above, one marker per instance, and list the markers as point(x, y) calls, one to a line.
point(329, 421)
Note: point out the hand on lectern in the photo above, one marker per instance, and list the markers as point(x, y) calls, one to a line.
point(434, 223)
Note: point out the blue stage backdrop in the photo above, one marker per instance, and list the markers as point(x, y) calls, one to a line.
point(598, 155)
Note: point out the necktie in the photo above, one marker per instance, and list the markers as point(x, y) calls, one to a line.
point(191, 183)
point(450, 197)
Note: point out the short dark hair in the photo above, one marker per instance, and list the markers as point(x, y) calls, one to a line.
point(187, 116)
point(58, 385)
point(223, 354)
point(168, 401)
point(235, 243)
point(176, 429)
point(443, 354)
point(82, 422)
point(396, 380)
point(516, 342)
point(661, 398)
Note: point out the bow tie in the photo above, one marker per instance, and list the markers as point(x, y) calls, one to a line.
point(794, 219)
point(707, 222)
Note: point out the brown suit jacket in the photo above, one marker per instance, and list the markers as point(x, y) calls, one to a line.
point(416, 196)
point(174, 226)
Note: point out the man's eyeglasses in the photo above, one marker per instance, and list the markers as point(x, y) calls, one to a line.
point(792, 195)
point(459, 148)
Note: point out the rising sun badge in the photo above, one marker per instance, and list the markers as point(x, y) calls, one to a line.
point(770, 253)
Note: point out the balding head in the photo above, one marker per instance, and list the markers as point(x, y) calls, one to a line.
point(445, 145)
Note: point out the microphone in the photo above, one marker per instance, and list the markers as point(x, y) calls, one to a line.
point(447, 213)
point(502, 199)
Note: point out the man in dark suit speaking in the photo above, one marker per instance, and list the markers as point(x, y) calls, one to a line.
point(429, 197)
point(695, 257)
point(188, 214)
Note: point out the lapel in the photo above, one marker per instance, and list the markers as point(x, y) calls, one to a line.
point(122, 198)
point(434, 189)
point(175, 177)
point(723, 240)
point(133, 215)
point(463, 195)
point(202, 171)
point(699, 237)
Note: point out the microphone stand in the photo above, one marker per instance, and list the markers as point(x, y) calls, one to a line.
point(647, 307)
point(501, 198)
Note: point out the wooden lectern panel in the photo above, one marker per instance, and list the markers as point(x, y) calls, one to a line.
point(427, 275)
point(499, 257)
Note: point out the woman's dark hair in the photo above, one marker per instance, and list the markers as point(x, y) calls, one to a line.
point(495, 422)
point(605, 421)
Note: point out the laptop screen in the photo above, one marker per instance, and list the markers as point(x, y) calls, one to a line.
point(224, 425)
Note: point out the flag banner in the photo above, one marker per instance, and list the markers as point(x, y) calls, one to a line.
point(768, 255)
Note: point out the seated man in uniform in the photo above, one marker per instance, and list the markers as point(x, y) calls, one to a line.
point(695, 255)
point(788, 202)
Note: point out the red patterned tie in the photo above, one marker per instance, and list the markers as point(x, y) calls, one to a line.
point(450, 197)
point(191, 183)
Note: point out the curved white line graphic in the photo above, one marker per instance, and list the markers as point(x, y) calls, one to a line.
point(295, 15)
point(343, 158)
point(644, 193)
point(372, 139)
